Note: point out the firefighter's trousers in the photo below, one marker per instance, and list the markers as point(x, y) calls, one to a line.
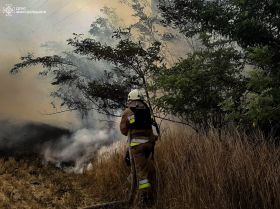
point(145, 171)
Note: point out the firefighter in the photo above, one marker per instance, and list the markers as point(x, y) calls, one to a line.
point(136, 123)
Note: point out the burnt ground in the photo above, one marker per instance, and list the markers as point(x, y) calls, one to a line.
point(28, 184)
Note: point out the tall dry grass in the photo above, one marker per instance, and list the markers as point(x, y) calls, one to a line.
point(201, 172)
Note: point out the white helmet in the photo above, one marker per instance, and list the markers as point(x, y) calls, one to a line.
point(135, 95)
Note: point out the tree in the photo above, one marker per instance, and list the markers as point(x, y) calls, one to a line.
point(253, 26)
point(131, 66)
point(101, 70)
point(196, 88)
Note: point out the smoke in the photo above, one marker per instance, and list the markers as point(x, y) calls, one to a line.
point(74, 153)
point(26, 138)
point(24, 97)
point(69, 150)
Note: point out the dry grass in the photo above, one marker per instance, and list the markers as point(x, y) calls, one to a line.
point(110, 175)
point(27, 184)
point(199, 172)
point(194, 172)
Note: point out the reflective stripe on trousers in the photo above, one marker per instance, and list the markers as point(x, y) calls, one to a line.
point(144, 184)
point(135, 142)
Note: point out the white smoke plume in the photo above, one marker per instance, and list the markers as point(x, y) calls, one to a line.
point(74, 153)
point(70, 150)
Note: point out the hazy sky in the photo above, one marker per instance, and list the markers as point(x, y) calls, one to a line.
point(25, 96)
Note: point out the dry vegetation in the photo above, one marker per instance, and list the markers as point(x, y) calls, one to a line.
point(198, 172)
point(27, 184)
point(194, 172)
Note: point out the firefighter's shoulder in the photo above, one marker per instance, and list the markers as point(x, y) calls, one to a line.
point(127, 112)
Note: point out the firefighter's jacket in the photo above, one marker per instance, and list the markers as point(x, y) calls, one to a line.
point(127, 118)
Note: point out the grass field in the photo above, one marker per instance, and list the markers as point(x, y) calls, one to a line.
point(194, 172)
point(199, 172)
